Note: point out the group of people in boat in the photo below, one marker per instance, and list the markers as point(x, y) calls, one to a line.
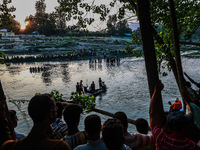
point(81, 89)
point(194, 93)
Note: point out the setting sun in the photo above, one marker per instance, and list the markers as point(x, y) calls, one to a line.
point(24, 24)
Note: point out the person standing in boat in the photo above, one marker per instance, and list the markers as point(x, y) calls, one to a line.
point(104, 86)
point(92, 87)
point(100, 83)
point(77, 87)
point(81, 87)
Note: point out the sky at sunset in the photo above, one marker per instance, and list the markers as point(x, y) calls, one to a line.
point(25, 8)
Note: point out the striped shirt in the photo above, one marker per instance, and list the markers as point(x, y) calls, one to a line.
point(59, 128)
point(138, 140)
point(171, 141)
point(76, 139)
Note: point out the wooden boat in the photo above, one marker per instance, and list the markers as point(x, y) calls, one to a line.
point(95, 93)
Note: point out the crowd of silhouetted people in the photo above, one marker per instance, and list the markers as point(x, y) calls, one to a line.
point(37, 69)
point(42, 57)
point(55, 127)
point(63, 56)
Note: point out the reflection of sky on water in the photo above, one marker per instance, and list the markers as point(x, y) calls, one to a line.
point(127, 85)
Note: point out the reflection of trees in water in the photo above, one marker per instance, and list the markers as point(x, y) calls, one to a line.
point(2, 72)
point(46, 77)
point(112, 68)
point(100, 66)
point(92, 66)
point(48, 74)
point(13, 70)
point(65, 73)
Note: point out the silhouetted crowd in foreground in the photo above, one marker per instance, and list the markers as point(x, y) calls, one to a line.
point(55, 127)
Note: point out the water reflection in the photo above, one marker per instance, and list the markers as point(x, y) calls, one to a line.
point(14, 70)
point(92, 66)
point(126, 81)
point(46, 78)
point(65, 73)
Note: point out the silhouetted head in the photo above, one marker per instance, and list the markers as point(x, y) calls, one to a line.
point(176, 120)
point(72, 114)
point(192, 132)
point(177, 99)
point(59, 109)
point(113, 134)
point(197, 102)
point(13, 118)
point(169, 103)
point(42, 106)
point(123, 118)
point(187, 84)
point(92, 124)
point(142, 126)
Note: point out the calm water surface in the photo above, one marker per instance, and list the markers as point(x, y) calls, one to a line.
point(127, 85)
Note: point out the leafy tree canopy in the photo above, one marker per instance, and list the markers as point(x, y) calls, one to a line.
point(41, 22)
point(7, 20)
point(116, 27)
point(187, 14)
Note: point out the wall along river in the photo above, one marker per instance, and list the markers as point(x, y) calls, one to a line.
point(126, 82)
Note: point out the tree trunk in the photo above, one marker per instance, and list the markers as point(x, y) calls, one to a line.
point(161, 42)
point(8, 132)
point(148, 44)
point(149, 50)
point(181, 79)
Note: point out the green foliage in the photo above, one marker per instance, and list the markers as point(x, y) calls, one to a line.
point(133, 50)
point(128, 48)
point(56, 95)
point(136, 37)
point(37, 94)
point(116, 27)
point(8, 64)
point(2, 56)
point(138, 53)
point(87, 102)
point(7, 20)
point(187, 13)
point(41, 22)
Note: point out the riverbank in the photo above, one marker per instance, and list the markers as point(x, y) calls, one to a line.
point(95, 54)
point(40, 49)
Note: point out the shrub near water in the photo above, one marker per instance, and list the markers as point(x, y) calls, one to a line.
point(87, 102)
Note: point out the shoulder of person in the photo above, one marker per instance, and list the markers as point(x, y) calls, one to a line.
point(61, 145)
point(81, 147)
point(9, 145)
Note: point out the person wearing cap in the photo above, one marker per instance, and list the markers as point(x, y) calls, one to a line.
point(177, 104)
point(176, 121)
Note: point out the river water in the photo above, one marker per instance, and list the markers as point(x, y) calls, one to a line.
point(126, 82)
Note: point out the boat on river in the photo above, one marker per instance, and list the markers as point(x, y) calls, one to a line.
point(94, 93)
